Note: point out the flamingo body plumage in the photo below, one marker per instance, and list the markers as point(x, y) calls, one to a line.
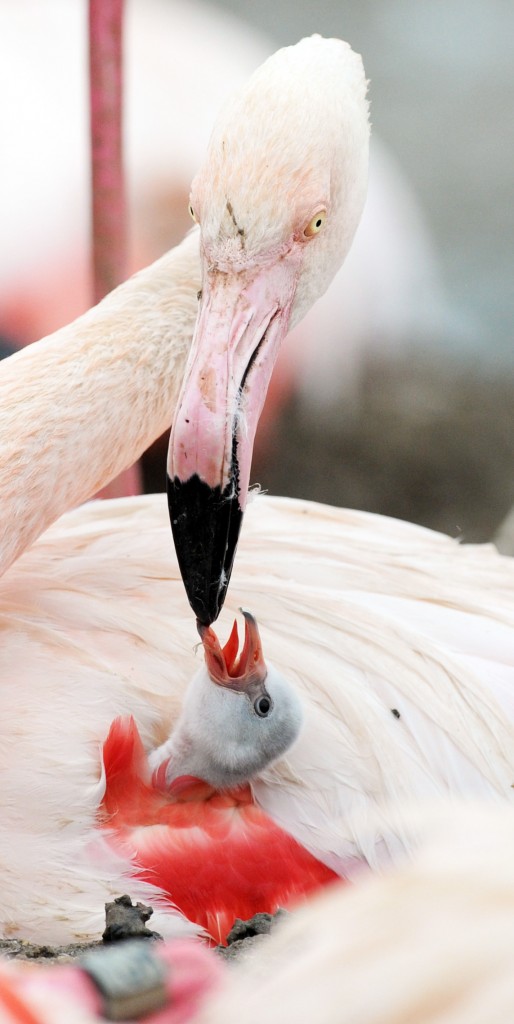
point(430, 942)
point(363, 614)
point(216, 855)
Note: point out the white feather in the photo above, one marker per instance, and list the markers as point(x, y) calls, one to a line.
point(95, 624)
point(430, 943)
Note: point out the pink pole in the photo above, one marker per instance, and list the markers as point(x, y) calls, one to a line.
point(108, 186)
point(107, 178)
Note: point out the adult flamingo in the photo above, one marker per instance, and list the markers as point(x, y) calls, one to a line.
point(85, 402)
point(94, 624)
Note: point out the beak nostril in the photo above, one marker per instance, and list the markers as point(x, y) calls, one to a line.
point(255, 353)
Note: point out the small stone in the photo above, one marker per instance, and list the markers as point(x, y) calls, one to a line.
point(126, 920)
point(244, 936)
point(259, 924)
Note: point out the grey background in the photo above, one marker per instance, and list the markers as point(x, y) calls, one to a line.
point(442, 92)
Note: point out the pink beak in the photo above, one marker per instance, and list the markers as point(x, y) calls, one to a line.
point(242, 320)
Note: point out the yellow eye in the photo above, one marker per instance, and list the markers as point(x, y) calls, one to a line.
point(193, 214)
point(315, 224)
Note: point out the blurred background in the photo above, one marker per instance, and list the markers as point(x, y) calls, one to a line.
point(396, 394)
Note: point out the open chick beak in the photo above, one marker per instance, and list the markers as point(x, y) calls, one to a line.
point(242, 670)
point(242, 320)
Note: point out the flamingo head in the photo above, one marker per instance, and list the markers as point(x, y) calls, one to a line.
point(278, 201)
point(239, 714)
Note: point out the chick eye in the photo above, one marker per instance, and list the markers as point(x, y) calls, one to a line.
point(193, 214)
point(262, 706)
point(315, 224)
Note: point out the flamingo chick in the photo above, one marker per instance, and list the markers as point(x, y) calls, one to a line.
point(229, 732)
point(192, 827)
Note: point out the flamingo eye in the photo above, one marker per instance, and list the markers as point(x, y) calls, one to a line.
point(315, 224)
point(262, 706)
point(193, 214)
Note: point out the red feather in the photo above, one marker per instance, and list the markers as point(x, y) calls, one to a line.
point(215, 854)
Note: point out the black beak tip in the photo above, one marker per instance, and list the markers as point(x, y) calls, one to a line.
point(205, 523)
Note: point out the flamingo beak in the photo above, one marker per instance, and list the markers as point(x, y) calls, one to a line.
point(242, 320)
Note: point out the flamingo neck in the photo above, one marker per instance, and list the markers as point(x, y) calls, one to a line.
point(81, 405)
